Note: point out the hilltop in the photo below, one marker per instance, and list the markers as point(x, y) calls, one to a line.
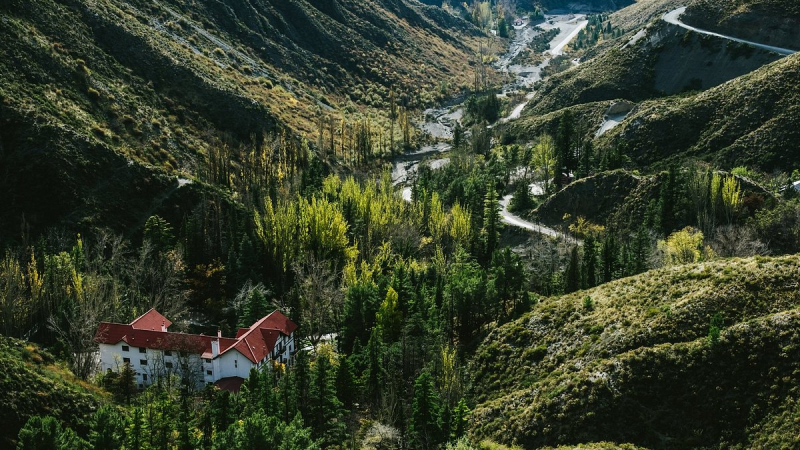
point(634, 361)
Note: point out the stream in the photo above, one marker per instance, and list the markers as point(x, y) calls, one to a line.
point(439, 122)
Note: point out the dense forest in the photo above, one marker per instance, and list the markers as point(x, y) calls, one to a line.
point(429, 322)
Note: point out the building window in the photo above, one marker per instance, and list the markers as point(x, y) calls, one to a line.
point(125, 348)
point(126, 360)
point(207, 360)
point(168, 365)
point(208, 372)
point(235, 363)
point(144, 377)
point(142, 350)
point(143, 362)
point(167, 353)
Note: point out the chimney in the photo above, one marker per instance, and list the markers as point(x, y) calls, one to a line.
point(214, 348)
point(163, 327)
point(219, 333)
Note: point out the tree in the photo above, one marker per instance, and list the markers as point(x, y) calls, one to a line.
point(252, 304)
point(321, 299)
point(491, 222)
point(159, 232)
point(573, 275)
point(39, 433)
point(589, 268)
point(544, 159)
point(731, 198)
point(460, 418)
point(425, 427)
point(374, 371)
point(390, 317)
point(565, 153)
point(326, 409)
point(107, 429)
point(684, 247)
point(346, 389)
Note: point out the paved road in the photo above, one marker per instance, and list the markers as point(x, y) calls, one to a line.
point(516, 221)
point(673, 17)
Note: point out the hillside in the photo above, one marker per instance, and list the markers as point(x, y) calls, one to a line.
point(34, 383)
point(772, 22)
point(109, 101)
point(746, 122)
point(632, 362)
point(659, 59)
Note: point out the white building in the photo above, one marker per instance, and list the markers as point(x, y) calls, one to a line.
point(153, 352)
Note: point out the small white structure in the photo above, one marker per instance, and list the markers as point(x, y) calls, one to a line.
point(154, 352)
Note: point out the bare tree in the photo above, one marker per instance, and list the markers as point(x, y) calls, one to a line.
point(75, 324)
point(321, 299)
point(737, 241)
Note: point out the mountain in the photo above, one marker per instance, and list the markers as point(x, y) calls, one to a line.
point(660, 59)
point(106, 103)
point(638, 361)
point(749, 121)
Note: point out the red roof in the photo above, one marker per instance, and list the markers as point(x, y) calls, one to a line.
point(232, 384)
point(151, 320)
point(255, 343)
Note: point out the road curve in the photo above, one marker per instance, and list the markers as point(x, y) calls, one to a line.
point(516, 221)
point(673, 17)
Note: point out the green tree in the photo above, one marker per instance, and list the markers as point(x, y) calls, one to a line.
point(460, 419)
point(159, 233)
point(107, 429)
point(425, 427)
point(491, 222)
point(39, 433)
point(573, 275)
point(390, 317)
point(326, 409)
point(346, 389)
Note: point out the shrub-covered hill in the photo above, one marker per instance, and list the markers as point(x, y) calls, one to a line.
point(661, 59)
point(33, 383)
point(639, 361)
point(771, 22)
point(109, 101)
point(620, 200)
point(750, 121)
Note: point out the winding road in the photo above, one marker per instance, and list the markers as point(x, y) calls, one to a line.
point(673, 17)
point(516, 221)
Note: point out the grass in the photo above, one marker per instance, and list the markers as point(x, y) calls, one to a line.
point(639, 366)
point(32, 382)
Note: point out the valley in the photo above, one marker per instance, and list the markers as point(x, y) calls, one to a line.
point(399, 224)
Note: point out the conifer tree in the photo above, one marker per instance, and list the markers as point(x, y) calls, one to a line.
point(425, 427)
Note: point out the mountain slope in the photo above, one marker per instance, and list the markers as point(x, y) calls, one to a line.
point(107, 102)
point(631, 361)
point(749, 121)
point(33, 383)
point(771, 22)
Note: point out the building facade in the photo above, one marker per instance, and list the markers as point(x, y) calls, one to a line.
point(153, 351)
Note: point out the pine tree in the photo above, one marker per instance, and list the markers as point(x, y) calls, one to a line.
point(425, 427)
point(326, 409)
point(107, 429)
point(491, 222)
point(374, 371)
point(573, 275)
point(589, 262)
point(345, 382)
